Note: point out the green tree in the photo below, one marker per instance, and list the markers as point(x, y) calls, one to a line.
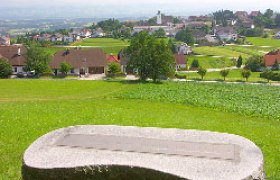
point(224, 73)
point(239, 62)
point(275, 66)
point(5, 68)
point(221, 17)
point(172, 46)
point(37, 59)
point(65, 67)
point(266, 74)
point(245, 73)
point(254, 63)
point(277, 20)
point(268, 13)
point(186, 36)
point(202, 72)
point(159, 33)
point(114, 68)
point(195, 64)
point(150, 58)
point(109, 25)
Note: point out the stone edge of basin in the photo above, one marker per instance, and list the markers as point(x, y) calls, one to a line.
point(257, 174)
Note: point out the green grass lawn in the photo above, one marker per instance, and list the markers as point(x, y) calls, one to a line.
point(53, 50)
point(218, 51)
point(31, 108)
point(211, 62)
point(107, 42)
point(258, 41)
point(109, 45)
point(234, 75)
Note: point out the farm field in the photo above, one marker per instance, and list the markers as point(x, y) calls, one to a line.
point(31, 108)
point(258, 41)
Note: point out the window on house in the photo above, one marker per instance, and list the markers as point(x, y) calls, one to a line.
point(72, 70)
point(15, 69)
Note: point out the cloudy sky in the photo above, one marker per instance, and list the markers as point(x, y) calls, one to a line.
point(132, 8)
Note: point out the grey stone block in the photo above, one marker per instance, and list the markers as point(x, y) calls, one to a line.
point(117, 152)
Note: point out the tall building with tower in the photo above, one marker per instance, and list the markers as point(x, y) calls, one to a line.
point(159, 20)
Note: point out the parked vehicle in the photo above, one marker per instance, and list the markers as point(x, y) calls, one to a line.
point(21, 74)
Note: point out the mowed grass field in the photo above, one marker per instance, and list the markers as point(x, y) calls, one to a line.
point(31, 108)
point(211, 62)
point(258, 41)
point(109, 45)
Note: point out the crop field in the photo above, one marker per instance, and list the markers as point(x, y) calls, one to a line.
point(31, 108)
point(258, 41)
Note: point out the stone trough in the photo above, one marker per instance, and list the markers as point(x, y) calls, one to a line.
point(116, 152)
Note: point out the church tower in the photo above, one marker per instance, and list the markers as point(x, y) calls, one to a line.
point(159, 20)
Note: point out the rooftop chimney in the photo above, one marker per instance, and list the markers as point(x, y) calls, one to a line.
point(18, 51)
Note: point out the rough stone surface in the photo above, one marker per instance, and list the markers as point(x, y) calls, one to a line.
point(108, 152)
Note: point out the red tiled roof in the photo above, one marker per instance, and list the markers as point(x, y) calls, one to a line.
point(269, 58)
point(255, 13)
point(11, 53)
point(93, 57)
point(112, 58)
point(180, 59)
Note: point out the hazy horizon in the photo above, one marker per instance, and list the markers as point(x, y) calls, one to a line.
point(35, 9)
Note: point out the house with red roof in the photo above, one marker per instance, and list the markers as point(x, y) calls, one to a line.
point(5, 40)
point(112, 58)
point(181, 61)
point(15, 55)
point(271, 57)
point(254, 14)
point(241, 15)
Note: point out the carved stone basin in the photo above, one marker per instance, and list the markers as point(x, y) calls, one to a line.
point(116, 152)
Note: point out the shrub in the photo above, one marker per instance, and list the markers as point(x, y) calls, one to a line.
point(265, 35)
point(245, 73)
point(202, 72)
point(270, 75)
point(180, 76)
point(275, 66)
point(65, 67)
point(5, 68)
point(239, 62)
point(254, 63)
point(113, 68)
point(195, 64)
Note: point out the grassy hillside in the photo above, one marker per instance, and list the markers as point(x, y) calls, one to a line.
point(31, 108)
